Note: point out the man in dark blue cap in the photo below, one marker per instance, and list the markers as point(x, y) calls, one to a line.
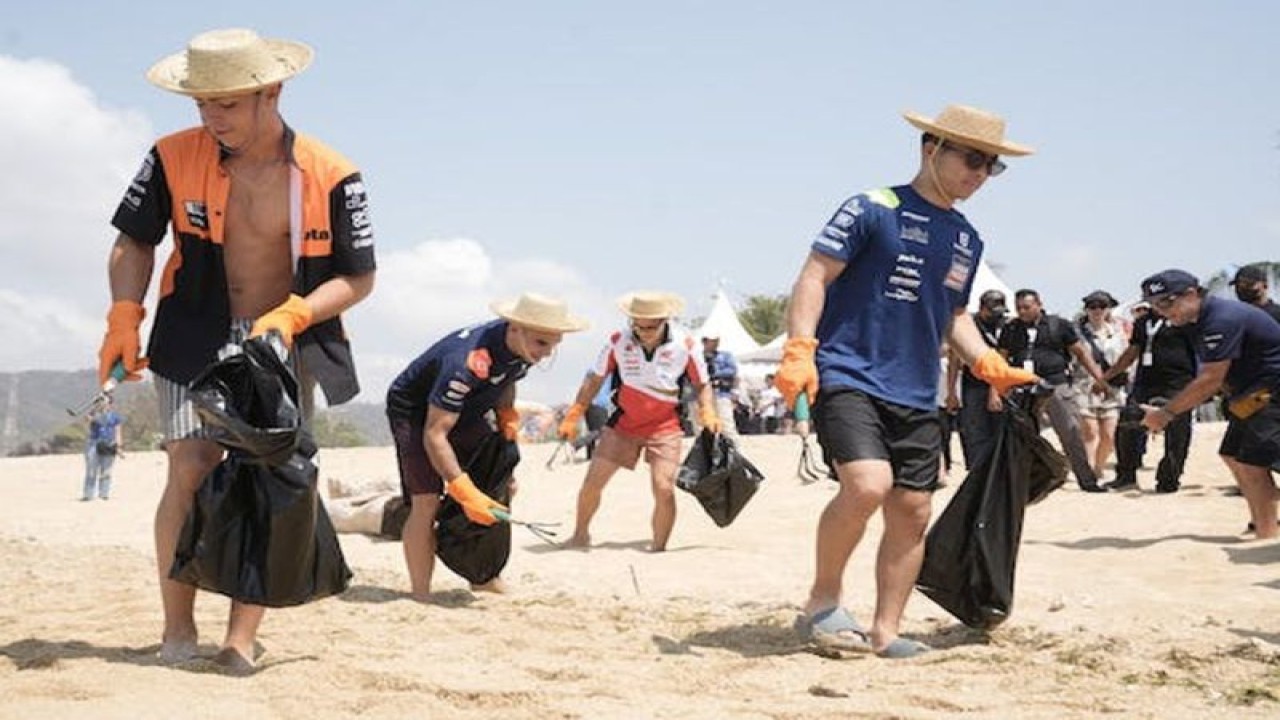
point(1239, 350)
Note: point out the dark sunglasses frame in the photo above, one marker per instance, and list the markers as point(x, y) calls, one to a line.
point(976, 159)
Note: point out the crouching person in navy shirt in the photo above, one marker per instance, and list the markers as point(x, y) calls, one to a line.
point(1239, 350)
point(437, 410)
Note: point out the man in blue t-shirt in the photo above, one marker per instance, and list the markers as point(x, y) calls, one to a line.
point(438, 408)
point(723, 369)
point(1238, 346)
point(102, 447)
point(888, 277)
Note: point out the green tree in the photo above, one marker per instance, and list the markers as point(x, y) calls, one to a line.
point(335, 432)
point(1221, 280)
point(765, 316)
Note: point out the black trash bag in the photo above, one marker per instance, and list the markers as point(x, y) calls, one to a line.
point(258, 532)
point(479, 552)
point(719, 476)
point(971, 552)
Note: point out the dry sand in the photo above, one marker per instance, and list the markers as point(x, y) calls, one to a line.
point(1128, 605)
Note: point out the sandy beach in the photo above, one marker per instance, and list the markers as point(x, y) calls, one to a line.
point(1131, 605)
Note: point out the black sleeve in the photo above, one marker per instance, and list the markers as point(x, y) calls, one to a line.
point(352, 227)
point(146, 208)
point(1067, 333)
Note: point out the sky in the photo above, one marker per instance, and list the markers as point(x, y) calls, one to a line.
point(585, 149)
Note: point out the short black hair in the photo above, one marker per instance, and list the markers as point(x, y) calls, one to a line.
point(1026, 292)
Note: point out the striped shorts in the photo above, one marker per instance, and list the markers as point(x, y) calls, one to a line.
point(178, 412)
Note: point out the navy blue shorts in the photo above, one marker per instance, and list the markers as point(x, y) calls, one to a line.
point(853, 425)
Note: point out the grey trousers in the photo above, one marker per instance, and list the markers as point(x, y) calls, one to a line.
point(1061, 411)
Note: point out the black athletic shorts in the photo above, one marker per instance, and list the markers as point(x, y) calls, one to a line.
point(417, 475)
point(1256, 439)
point(853, 425)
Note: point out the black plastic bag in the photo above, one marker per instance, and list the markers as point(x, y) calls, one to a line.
point(479, 552)
point(719, 476)
point(971, 552)
point(258, 532)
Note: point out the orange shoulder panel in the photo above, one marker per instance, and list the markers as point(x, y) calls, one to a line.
point(479, 362)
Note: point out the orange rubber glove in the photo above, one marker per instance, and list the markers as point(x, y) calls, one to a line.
point(288, 318)
point(710, 419)
point(121, 341)
point(797, 373)
point(992, 369)
point(475, 504)
point(509, 422)
point(568, 429)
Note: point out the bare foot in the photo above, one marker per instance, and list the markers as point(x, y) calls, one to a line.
point(657, 548)
point(496, 586)
point(176, 652)
point(578, 542)
point(422, 597)
point(232, 662)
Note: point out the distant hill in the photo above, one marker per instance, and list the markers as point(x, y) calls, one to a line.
point(33, 403)
point(369, 419)
point(34, 417)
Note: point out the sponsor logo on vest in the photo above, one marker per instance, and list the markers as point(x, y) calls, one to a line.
point(316, 234)
point(197, 214)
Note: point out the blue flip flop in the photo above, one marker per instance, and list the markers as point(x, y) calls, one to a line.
point(902, 648)
point(835, 629)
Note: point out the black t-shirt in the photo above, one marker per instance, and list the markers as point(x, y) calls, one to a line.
point(1049, 349)
point(990, 332)
point(1273, 310)
point(1172, 354)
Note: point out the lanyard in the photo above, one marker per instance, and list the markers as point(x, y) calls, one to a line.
point(1152, 329)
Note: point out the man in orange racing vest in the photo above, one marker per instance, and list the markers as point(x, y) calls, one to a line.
point(271, 232)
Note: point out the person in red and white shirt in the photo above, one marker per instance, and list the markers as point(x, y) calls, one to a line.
point(650, 361)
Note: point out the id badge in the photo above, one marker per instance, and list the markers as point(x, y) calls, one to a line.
point(1147, 359)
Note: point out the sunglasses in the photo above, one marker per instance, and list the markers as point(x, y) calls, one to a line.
point(976, 159)
point(1095, 306)
point(650, 327)
point(1166, 302)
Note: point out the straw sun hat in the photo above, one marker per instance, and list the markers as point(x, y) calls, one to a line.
point(969, 126)
point(229, 62)
point(539, 312)
point(650, 305)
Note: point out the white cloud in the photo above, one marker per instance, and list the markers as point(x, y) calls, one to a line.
point(438, 286)
point(67, 160)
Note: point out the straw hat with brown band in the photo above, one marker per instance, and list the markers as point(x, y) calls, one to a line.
point(651, 305)
point(971, 127)
point(539, 312)
point(968, 126)
point(232, 61)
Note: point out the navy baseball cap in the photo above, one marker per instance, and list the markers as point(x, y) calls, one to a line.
point(1166, 283)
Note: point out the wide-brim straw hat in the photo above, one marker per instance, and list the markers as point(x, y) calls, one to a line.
point(218, 63)
point(970, 126)
point(651, 305)
point(539, 312)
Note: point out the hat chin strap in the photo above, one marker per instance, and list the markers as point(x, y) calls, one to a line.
point(933, 174)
